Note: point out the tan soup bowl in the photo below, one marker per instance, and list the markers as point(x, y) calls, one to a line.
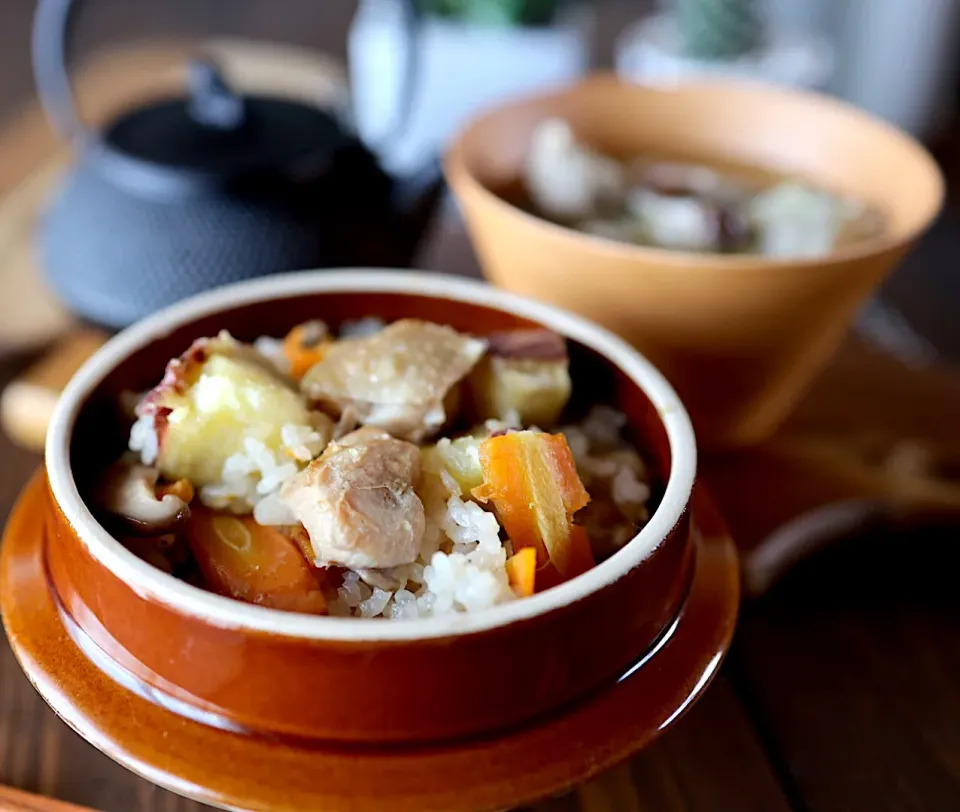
point(740, 337)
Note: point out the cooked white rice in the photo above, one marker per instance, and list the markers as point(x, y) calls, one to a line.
point(256, 474)
point(144, 440)
point(461, 566)
point(251, 479)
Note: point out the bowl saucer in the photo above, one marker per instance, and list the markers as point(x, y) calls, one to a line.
point(252, 773)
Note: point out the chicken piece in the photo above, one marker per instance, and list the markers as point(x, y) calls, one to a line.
point(402, 379)
point(357, 502)
point(213, 397)
point(525, 375)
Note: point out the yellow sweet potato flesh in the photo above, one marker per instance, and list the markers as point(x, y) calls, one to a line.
point(231, 399)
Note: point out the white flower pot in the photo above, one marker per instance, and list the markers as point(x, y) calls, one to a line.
point(650, 52)
point(462, 70)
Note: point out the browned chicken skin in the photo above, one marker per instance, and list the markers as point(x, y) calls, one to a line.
point(357, 501)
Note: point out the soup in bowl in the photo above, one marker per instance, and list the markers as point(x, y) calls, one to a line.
point(251, 523)
point(729, 231)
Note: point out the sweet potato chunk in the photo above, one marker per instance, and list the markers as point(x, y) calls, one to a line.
point(524, 374)
point(532, 481)
point(211, 398)
point(244, 560)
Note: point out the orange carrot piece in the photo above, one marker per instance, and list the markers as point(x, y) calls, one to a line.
point(532, 480)
point(242, 559)
point(302, 350)
point(522, 571)
point(182, 488)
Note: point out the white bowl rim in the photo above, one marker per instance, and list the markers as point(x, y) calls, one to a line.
point(150, 582)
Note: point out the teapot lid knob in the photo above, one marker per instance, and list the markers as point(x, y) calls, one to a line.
point(212, 103)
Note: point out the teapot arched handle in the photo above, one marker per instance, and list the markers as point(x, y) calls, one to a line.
point(51, 28)
point(50, 37)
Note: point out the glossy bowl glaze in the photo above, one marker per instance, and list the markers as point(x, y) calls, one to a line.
point(265, 672)
point(739, 336)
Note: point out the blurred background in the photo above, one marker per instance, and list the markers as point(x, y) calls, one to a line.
point(896, 59)
point(913, 46)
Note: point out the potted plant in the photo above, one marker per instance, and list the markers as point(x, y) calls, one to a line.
point(695, 39)
point(420, 68)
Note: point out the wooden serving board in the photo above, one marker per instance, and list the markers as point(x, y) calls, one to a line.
point(873, 442)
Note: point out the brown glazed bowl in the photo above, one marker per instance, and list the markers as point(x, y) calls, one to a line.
point(740, 337)
point(250, 669)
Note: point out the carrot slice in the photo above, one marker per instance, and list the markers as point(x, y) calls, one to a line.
point(245, 560)
point(303, 349)
point(522, 571)
point(532, 480)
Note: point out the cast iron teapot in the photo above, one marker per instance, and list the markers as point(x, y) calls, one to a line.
point(184, 194)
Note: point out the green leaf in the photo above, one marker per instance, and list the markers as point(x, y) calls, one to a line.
point(494, 12)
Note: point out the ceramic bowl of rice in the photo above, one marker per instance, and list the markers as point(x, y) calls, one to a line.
point(420, 622)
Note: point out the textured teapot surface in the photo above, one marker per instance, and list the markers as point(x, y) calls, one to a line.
point(114, 259)
point(181, 195)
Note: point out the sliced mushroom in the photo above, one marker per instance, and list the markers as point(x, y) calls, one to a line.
point(130, 492)
point(357, 502)
point(402, 379)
